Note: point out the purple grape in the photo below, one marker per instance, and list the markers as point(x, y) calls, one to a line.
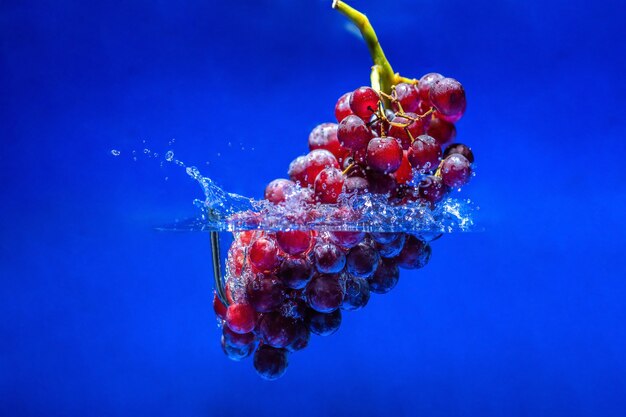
point(393, 248)
point(270, 363)
point(295, 272)
point(362, 260)
point(415, 254)
point(357, 293)
point(385, 277)
point(329, 259)
point(324, 324)
point(277, 330)
point(324, 293)
point(265, 293)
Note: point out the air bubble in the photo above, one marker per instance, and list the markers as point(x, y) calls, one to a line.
point(115, 152)
point(169, 156)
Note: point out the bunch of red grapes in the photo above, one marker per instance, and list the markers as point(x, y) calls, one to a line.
point(283, 286)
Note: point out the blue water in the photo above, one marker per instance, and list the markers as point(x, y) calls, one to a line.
point(103, 315)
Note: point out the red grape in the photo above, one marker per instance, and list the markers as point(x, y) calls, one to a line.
point(356, 185)
point(407, 96)
point(265, 293)
point(404, 173)
point(277, 330)
point(275, 190)
point(329, 258)
point(425, 83)
point(342, 108)
point(328, 185)
point(364, 102)
point(263, 254)
point(295, 272)
point(380, 183)
point(448, 97)
point(432, 189)
point(415, 254)
point(362, 260)
point(219, 307)
point(424, 153)
point(324, 293)
point(407, 134)
point(455, 170)
point(240, 318)
point(384, 154)
point(353, 133)
point(305, 169)
point(294, 242)
point(270, 363)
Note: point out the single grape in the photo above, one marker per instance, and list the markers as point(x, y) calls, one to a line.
point(362, 260)
point(324, 293)
point(324, 136)
point(240, 318)
point(357, 293)
point(364, 102)
point(342, 108)
point(407, 96)
point(263, 254)
point(392, 248)
point(305, 169)
point(235, 352)
point(424, 154)
point(448, 97)
point(295, 272)
point(455, 170)
point(385, 278)
point(432, 189)
point(276, 190)
point(356, 185)
point(303, 335)
point(219, 307)
point(238, 339)
point(329, 258)
point(294, 242)
point(460, 149)
point(384, 154)
point(347, 239)
point(277, 330)
point(415, 254)
point(324, 324)
point(353, 133)
point(443, 132)
point(265, 293)
point(404, 173)
point(406, 129)
point(270, 363)
point(328, 185)
point(425, 83)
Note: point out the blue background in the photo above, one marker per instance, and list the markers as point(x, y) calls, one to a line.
point(102, 315)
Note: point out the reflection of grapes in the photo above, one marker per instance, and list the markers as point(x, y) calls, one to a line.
point(282, 286)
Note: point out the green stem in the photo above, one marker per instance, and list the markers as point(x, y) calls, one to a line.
point(383, 77)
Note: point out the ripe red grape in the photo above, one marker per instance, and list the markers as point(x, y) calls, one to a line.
point(442, 131)
point(404, 173)
point(324, 324)
point(432, 189)
point(294, 242)
point(362, 260)
point(415, 254)
point(276, 190)
point(324, 136)
point(329, 258)
point(460, 149)
point(305, 169)
point(263, 254)
point(356, 185)
point(270, 363)
point(342, 108)
point(448, 97)
point(240, 318)
point(324, 293)
point(353, 133)
point(407, 96)
point(425, 83)
point(385, 278)
point(219, 307)
point(455, 170)
point(265, 293)
point(277, 330)
point(295, 272)
point(424, 153)
point(328, 185)
point(384, 154)
point(364, 102)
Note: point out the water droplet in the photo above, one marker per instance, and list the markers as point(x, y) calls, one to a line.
point(115, 152)
point(169, 156)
